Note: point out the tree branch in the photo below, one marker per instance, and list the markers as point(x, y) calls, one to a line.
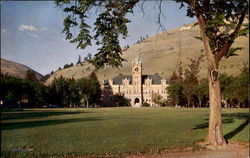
point(233, 35)
point(141, 7)
point(159, 17)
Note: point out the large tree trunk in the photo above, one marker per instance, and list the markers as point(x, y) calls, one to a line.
point(215, 134)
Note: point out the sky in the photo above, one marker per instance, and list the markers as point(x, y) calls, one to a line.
point(31, 31)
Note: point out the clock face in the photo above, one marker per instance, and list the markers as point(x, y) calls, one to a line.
point(136, 69)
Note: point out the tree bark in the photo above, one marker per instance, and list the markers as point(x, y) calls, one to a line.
point(200, 101)
point(215, 134)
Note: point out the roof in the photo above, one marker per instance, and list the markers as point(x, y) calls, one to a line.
point(118, 79)
point(156, 79)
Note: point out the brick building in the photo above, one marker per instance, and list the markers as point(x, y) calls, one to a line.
point(137, 88)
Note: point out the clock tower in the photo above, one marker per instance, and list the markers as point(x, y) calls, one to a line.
point(136, 82)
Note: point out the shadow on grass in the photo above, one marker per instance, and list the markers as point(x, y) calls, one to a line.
point(34, 114)
point(237, 130)
point(31, 124)
point(227, 119)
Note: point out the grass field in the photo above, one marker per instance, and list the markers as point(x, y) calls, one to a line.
point(114, 131)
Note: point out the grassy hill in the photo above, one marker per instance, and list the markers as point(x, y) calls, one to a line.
point(16, 69)
point(161, 54)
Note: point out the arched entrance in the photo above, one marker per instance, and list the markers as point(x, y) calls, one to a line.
point(137, 102)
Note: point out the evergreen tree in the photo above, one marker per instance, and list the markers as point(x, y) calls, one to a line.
point(79, 60)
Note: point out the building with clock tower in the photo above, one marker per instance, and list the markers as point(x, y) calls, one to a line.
point(137, 88)
point(136, 98)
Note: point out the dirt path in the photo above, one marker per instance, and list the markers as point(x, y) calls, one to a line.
point(229, 151)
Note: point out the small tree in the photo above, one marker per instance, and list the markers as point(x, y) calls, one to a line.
point(175, 92)
point(120, 100)
point(201, 91)
point(79, 60)
point(190, 80)
point(157, 99)
point(31, 76)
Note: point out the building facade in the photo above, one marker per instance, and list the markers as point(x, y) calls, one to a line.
point(137, 88)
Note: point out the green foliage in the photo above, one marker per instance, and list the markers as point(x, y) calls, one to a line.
point(184, 84)
point(185, 88)
point(223, 24)
point(68, 66)
point(28, 93)
point(235, 89)
point(232, 51)
point(175, 92)
point(145, 104)
point(120, 100)
point(30, 76)
point(158, 100)
point(72, 93)
point(201, 91)
point(109, 25)
point(190, 80)
point(61, 92)
point(89, 90)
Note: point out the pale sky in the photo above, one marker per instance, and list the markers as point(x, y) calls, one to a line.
point(31, 32)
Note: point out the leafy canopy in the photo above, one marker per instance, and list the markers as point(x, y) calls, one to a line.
point(223, 20)
point(110, 24)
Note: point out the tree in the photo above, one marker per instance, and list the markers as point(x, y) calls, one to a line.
point(241, 83)
point(201, 90)
point(90, 90)
point(220, 23)
point(31, 76)
point(79, 60)
point(120, 100)
point(175, 92)
point(190, 80)
point(227, 87)
point(244, 80)
point(96, 88)
point(84, 90)
point(73, 96)
point(25, 92)
point(157, 99)
point(58, 88)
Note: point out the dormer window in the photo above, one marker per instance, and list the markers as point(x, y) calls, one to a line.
point(148, 82)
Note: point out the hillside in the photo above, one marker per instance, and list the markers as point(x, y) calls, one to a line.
point(161, 54)
point(16, 69)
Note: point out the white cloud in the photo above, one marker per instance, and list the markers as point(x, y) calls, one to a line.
point(3, 30)
point(27, 27)
point(44, 29)
point(33, 35)
point(23, 27)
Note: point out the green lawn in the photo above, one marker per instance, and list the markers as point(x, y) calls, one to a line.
point(115, 131)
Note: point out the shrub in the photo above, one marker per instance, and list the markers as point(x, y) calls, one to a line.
point(145, 104)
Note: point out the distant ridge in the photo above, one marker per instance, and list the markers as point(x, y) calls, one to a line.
point(161, 54)
point(16, 70)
